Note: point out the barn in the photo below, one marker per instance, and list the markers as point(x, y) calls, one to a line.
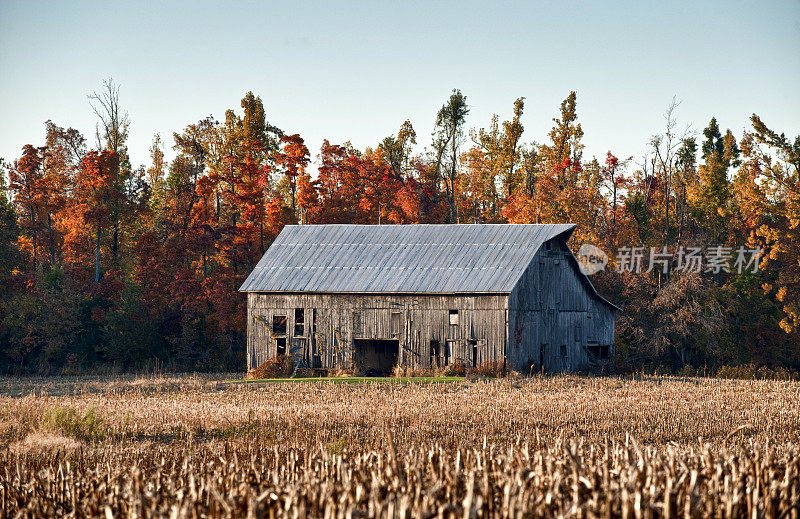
point(368, 297)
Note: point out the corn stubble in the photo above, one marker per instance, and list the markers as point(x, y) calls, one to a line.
point(547, 447)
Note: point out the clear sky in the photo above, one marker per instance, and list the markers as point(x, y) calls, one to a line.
point(355, 71)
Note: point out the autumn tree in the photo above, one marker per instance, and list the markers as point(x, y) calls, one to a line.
point(710, 197)
point(562, 188)
point(618, 184)
point(447, 139)
point(665, 148)
point(397, 150)
point(292, 160)
point(492, 167)
point(773, 161)
point(339, 184)
point(96, 192)
point(112, 135)
point(36, 200)
point(686, 175)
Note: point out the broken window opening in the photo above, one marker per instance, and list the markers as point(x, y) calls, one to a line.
point(299, 322)
point(600, 352)
point(280, 346)
point(396, 324)
point(279, 325)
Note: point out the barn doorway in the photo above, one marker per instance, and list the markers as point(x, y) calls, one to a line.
point(375, 357)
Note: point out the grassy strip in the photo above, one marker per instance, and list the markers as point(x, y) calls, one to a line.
point(354, 380)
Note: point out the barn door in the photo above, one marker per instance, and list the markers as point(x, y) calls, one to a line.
point(548, 351)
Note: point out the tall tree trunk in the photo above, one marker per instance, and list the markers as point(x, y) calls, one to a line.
point(52, 241)
point(97, 257)
point(666, 207)
point(453, 206)
point(614, 216)
point(115, 245)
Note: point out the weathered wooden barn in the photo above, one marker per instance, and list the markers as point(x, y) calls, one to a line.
point(368, 297)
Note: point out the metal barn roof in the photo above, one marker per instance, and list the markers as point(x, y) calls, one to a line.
point(420, 258)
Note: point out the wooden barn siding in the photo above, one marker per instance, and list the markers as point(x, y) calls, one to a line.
point(550, 305)
point(422, 318)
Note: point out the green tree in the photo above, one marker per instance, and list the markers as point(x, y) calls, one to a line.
point(397, 151)
point(447, 139)
point(9, 231)
point(711, 195)
point(493, 166)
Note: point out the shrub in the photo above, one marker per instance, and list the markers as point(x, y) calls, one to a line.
point(69, 422)
point(491, 369)
point(456, 369)
point(756, 372)
point(305, 373)
point(281, 366)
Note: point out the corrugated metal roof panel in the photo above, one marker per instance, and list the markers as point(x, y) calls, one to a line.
point(424, 258)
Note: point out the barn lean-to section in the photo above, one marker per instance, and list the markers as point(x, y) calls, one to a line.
point(557, 322)
point(369, 297)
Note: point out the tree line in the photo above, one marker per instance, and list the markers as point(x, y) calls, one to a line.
point(107, 265)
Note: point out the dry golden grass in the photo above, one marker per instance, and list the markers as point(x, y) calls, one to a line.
point(561, 446)
point(43, 443)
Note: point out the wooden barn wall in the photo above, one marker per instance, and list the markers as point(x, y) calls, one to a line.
point(414, 320)
point(554, 319)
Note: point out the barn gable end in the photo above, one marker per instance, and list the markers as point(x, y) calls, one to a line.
point(557, 321)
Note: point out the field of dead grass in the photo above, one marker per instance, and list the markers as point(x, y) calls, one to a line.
point(551, 446)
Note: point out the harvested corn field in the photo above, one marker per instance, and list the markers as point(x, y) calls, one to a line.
point(560, 446)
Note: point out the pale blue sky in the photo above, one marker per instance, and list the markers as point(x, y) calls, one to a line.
point(356, 71)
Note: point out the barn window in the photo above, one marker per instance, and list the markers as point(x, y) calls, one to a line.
point(578, 334)
point(454, 317)
point(299, 322)
point(279, 325)
point(563, 350)
point(280, 346)
point(396, 324)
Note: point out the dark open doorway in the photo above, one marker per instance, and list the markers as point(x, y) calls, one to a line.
point(375, 357)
